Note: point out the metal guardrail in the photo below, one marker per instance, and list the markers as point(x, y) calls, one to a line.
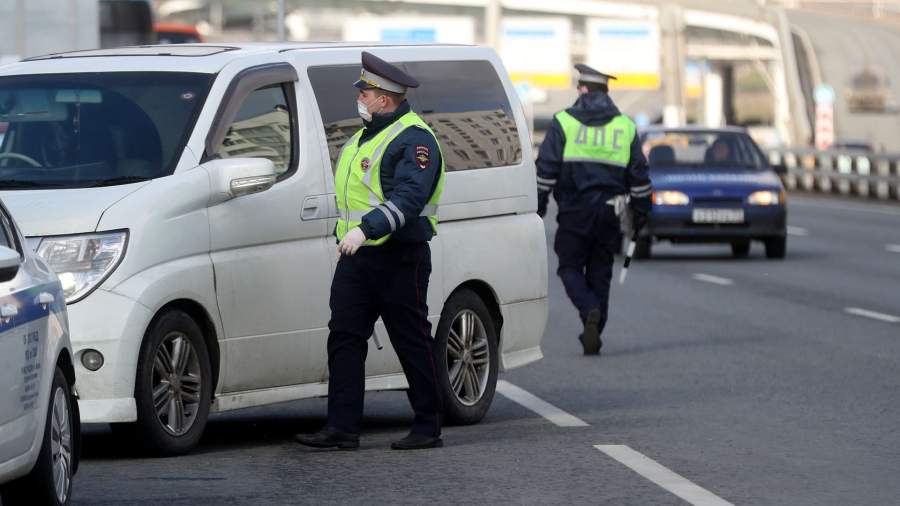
point(839, 172)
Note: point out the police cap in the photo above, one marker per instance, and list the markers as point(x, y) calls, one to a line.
point(588, 74)
point(377, 73)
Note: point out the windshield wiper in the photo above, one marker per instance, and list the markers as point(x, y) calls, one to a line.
point(120, 180)
point(21, 183)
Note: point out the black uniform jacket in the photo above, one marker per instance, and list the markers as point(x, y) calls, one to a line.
point(578, 186)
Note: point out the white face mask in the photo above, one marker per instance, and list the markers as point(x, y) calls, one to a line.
point(363, 110)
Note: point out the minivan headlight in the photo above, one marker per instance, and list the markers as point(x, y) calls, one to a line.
point(766, 198)
point(82, 262)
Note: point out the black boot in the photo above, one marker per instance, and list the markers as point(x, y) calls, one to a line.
point(590, 339)
point(329, 437)
point(417, 442)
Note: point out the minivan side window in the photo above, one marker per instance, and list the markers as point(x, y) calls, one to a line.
point(261, 129)
point(464, 102)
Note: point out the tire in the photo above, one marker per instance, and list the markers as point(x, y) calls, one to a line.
point(156, 432)
point(466, 399)
point(740, 249)
point(57, 459)
point(776, 248)
point(643, 248)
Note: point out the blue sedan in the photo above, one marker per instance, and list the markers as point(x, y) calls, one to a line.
point(712, 186)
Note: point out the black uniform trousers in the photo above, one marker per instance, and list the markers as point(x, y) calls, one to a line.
point(586, 244)
point(390, 281)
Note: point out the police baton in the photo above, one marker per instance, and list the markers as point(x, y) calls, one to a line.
point(377, 341)
point(628, 255)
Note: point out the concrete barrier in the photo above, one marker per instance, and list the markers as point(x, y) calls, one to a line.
point(841, 172)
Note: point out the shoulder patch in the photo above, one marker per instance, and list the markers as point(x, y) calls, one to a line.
point(423, 156)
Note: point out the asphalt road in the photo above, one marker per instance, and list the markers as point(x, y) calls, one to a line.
point(748, 378)
point(845, 46)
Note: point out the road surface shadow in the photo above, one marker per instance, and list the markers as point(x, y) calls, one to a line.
point(275, 425)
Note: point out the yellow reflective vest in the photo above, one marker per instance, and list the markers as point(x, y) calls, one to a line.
point(358, 182)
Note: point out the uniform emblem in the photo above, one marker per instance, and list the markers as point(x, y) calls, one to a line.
point(423, 156)
point(364, 164)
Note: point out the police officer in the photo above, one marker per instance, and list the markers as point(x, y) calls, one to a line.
point(388, 182)
point(590, 160)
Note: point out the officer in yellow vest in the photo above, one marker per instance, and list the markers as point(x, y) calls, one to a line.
point(591, 159)
point(388, 183)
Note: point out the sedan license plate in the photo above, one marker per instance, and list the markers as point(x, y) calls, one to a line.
point(718, 216)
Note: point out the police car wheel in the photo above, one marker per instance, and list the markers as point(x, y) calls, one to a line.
point(50, 481)
point(467, 358)
point(776, 248)
point(740, 249)
point(174, 386)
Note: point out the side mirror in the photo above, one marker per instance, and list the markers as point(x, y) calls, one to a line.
point(235, 177)
point(10, 261)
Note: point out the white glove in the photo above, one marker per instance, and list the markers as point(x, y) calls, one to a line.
point(351, 242)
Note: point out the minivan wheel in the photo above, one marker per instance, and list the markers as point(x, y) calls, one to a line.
point(173, 387)
point(50, 481)
point(467, 358)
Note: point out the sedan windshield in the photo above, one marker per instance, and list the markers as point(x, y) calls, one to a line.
point(95, 129)
point(702, 149)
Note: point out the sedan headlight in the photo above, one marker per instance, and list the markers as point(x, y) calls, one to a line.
point(82, 262)
point(766, 198)
point(670, 198)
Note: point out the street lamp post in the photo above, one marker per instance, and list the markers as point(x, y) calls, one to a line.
point(281, 21)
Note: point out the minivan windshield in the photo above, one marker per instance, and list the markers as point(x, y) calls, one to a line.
point(705, 150)
point(95, 129)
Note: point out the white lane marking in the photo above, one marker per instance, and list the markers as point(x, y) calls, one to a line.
point(539, 406)
point(870, 208)
point(716, 280)
point(798, 231)
point(875, 315)
point(893, 248)
point(662, 476)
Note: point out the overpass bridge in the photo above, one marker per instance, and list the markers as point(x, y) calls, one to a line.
point(704, 49)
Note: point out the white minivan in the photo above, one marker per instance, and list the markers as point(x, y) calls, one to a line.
point(39, 429)
point(185, 196)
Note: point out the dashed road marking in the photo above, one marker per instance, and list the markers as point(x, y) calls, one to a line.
point(539, 406)
point(797, 231)
point(893, 248)
point(662, 476)
point(716, 280)
point(875, 315)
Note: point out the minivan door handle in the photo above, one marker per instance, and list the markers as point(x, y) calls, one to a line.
point(332, 205)
point(315, 207)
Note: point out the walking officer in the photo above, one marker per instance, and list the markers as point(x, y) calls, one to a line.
point(590, 160)
point(388, 182)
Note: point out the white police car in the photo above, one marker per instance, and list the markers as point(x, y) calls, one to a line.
point(39, 423)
